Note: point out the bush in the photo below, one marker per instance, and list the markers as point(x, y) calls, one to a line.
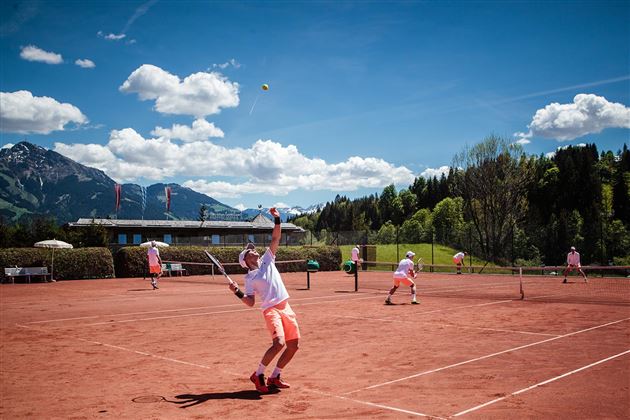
point(70, 264)
point(132, 261)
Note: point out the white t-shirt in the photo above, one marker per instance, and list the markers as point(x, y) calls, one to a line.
point(355, 254)
point(153, 255)
point(459, 256)
point(266, 282)
point(573, 258)
point(403, 268)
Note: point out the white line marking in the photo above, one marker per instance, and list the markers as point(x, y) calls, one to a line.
point(386, 407)
point(163, 311)
point(198, 365)
point(111, 322)
point(484, 357)
point(447, 325)
point(540, 384)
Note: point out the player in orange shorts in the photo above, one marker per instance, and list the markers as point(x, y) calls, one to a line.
point(264, 280)
point(404, 275)
point(155, 264)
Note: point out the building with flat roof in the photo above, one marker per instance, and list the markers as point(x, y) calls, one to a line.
point(191, 232)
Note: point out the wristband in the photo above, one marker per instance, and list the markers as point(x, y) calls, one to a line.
point(276, 220)
point(239, 294)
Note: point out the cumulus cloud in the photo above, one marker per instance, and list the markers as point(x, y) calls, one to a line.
point(433, 172)
point(33, 53)
point(588, 114)
point(265, 167)
point(201, 130)
point(231, 62)
point(21, 112)
point(85, 63)
point(199, 94)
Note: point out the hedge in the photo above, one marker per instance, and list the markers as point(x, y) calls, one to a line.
point(132, 261)
point(70, 264)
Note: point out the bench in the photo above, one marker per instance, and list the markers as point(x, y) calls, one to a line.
point(172, 268)
point(27, 272)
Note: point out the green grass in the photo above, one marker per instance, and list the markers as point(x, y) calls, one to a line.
point(442, 255)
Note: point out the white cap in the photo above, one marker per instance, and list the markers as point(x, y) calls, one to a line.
point(153, 244)
point(410, 254)
point(572, 248)
point(241, 256)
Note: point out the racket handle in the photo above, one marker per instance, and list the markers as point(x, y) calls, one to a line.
point(239, 294)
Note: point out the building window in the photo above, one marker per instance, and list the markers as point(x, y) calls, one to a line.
point(168, 238)
point(250, 238)
point(122, 239)
point(216, 240)
point(137, 238)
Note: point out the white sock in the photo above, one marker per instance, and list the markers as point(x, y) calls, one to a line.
point(261, 369)
point(276, 372)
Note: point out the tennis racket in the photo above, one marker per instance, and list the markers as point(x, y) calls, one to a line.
point(219, 266)
point(420, 264)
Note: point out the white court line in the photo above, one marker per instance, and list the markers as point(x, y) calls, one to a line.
point(447, 325)
point(111, 322)
point(162, 311)
point(169, 359)
point(484, 357)
point(371, 404)
point(540, 384)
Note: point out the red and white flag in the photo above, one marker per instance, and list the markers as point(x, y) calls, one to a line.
point(118, 191)
point(167, 192)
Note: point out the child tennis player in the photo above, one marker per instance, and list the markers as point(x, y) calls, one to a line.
point(155, 264)
point(404, 275)
point(573, 263)
point(264, 280)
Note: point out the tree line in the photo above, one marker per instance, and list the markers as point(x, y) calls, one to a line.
point(503, 205)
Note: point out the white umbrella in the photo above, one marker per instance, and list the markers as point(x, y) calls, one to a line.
point(157, 243)
point(52, 243)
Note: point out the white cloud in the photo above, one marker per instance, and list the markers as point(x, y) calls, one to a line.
point(7, 146)
point(231, 62)
point(201, 130)
point(265, 167)
point(111, 36)
point(281, 205)
point(33, 53)
point(240, 206)
point(21, 112)
point(588, 114)
point(199, 94)
point(433, 172)
point(85, 63)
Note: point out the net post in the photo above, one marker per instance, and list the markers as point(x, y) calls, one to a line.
point(520, 282)
point(356, 277)
point(308, 280)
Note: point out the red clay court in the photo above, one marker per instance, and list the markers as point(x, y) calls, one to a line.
point(472, 349)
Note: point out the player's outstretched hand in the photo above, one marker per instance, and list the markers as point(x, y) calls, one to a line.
point(274, 212)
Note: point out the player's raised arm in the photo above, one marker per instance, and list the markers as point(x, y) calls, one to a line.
point(275, 236)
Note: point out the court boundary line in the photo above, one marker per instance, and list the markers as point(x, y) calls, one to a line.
point(529, 388)
point(47, 321)
point(198, 365)
point(476, 359)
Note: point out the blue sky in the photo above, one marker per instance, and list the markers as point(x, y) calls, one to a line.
point(362, 94)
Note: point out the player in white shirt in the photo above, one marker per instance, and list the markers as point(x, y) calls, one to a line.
point(264, 280)
point(405, 275)
point(155, 264)
point(459, 260)
point(355, 257)
point(573, 262)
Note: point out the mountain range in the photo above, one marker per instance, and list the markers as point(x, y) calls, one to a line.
point(37, 182)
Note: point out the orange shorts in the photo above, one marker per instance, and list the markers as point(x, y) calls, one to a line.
point(282, 322)
point(155, 269)
point(456, 261)
point(404, 280)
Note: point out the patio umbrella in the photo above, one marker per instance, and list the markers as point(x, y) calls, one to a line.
point(157, 243)
point(53, 244)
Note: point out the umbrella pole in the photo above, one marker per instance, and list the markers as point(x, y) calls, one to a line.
point(52, 266)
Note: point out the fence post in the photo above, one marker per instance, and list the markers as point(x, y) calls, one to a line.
point(432, 262)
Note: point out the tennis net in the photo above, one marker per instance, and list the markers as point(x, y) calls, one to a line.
point(606, 285)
